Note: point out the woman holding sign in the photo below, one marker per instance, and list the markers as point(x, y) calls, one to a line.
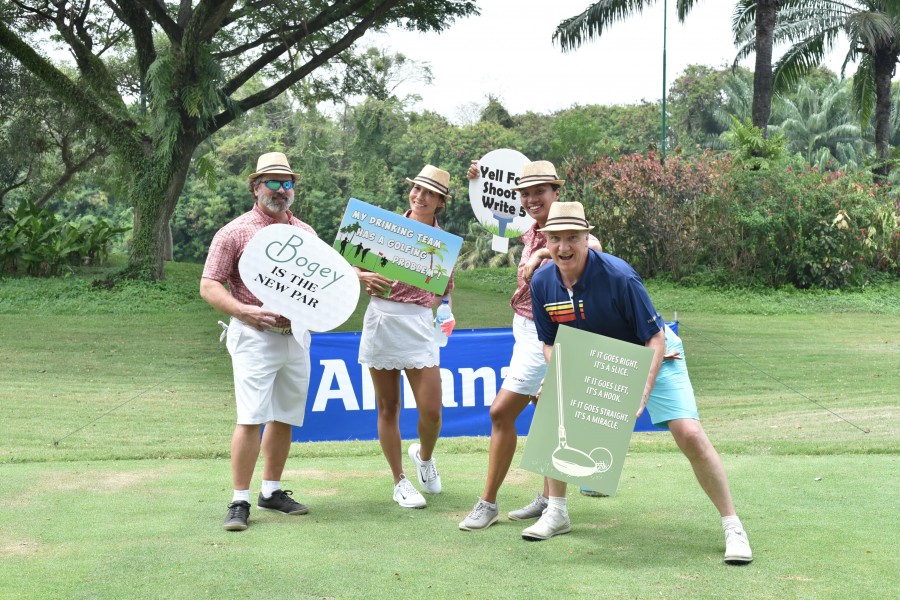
point(538, 188)
point(398, 335)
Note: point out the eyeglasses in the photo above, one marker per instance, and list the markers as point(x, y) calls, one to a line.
point(276, 185)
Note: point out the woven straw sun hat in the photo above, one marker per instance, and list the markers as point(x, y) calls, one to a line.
point(536, 173)
point(434, 179)
point(566, 216)
point(273, 163)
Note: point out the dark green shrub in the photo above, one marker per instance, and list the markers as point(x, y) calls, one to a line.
point(34, 241)
point(781, 224)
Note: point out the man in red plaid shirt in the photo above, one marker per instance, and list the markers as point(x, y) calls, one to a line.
point(271, 368)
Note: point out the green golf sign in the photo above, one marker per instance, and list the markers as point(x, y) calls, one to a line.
point(583, 422)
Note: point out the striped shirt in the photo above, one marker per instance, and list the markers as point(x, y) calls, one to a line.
point(534, 240)
point(227, 247)
point(609, 298)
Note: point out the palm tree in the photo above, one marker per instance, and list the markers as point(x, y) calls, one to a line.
point(873, 28)
point(754, 21)
point(817, 124)
point(737, 90)
point(753, 25)
point(440, 271)
point(352, 228)
point(431, 251)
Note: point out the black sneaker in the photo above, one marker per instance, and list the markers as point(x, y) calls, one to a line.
point(281, 501)
point(238, 513)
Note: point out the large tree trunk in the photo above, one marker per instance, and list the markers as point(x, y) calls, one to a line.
point(155, 197)
point(885, 61)
point(762, 76)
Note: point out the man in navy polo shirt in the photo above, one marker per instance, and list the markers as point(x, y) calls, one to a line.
point(603, 294)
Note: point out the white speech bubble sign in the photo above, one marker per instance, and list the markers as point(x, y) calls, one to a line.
point(294, 273)
point(496, 206)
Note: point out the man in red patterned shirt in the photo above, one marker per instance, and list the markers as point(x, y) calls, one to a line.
point(271, 368)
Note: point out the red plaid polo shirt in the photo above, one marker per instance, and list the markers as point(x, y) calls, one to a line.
point(227, 247)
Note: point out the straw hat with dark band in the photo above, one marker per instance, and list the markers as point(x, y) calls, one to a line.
point(566, 216)
point(536, 173)
point(434, 179)
point(273, 163)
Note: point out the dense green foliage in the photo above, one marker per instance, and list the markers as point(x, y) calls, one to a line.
point(728, 216)
point(715, 217)
point(812, 29)
point(154, 82)
point(35, 241)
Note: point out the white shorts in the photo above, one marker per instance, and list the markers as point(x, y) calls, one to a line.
point(397, 335)
point(527, 367)
point(271, 375)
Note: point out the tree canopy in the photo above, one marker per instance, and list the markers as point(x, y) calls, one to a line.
point(154, 79)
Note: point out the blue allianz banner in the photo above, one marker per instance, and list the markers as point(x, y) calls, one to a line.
point(341, 404)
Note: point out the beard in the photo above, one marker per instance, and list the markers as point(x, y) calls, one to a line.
point(278, 202)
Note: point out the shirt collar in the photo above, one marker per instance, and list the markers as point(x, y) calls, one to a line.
point(409, 212)
point(580, 284)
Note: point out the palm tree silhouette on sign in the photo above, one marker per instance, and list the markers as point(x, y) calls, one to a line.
point(431, 251)
point(352, 228)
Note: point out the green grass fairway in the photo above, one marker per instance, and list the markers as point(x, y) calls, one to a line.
point(820, 528)
point(117, 410)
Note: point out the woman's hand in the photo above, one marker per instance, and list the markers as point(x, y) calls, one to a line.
point(473, 173)
point(375, 283)
point(532, 265)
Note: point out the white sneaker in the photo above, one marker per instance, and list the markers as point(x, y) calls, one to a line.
point(552, 522)
point(406, 495)
point(426, 472)
point(481, 517)
point(533, 510)
point(737, 546)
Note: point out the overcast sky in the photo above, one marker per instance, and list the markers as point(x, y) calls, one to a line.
point(508, 52)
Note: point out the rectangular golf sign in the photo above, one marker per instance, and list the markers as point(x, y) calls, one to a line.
point(397, 247)
point(584, 419)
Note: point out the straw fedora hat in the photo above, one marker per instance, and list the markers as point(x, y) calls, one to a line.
point(566, 216)
point(536, 173)
point(434, 179)
point(273, 163)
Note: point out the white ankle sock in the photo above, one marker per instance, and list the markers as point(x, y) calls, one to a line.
point(269, 487)
point(731, 521)
point(241, 495)
point(558, 503)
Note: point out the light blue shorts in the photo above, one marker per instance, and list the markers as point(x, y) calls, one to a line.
point(672, 396)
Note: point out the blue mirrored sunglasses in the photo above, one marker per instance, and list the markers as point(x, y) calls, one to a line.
point(275, 185)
